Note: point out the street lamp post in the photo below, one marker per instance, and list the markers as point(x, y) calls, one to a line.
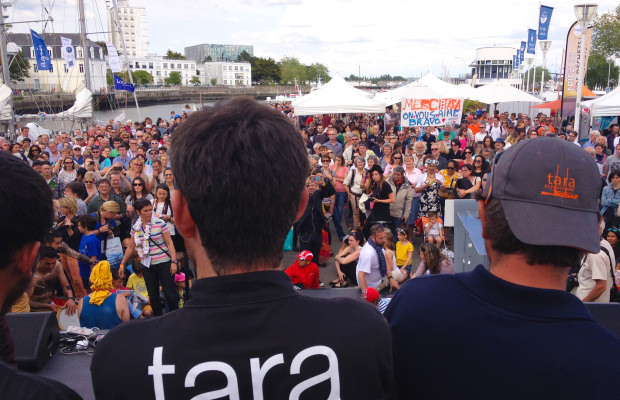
point(585, 15)
point(529, 72)
point(544, 46)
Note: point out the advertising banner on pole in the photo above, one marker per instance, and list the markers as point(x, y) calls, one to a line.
point(543, 22)
point(69, 53)
point(531, 41)
point(571, 66)
point(44, 62)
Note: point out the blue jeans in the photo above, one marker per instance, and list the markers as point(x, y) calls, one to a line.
point(341, 199)
point(415, 207)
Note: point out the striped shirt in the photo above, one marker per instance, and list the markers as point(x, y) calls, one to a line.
point(158, 228)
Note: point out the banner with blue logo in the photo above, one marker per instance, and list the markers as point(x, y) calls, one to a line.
point(518, 56)
point(531, 41)
point(44, 62)
point(521, 56)
point(514, 62)
point(523, 44)
point(543, 22)
point(120, 84)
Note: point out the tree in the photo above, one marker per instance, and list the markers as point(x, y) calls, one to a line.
point(213, 81)
point(173, 55)
point(314, 70)
point(103, 45)
point(207, 58)
point(291, 68)
point(18, 70)
point(244, 56)
point(265, 70)
point(536, 74)
point(600, 72)
point(139, 77)
point(195, 81)
point(606, 35)
point(173, 79)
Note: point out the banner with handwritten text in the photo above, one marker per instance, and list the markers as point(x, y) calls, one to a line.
point(431, 112)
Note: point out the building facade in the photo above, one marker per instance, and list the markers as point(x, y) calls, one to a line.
point(494, 63)
point(61, 78)
point(161, 68)
point(217, 52)
point(132, 27)
point(226, 73)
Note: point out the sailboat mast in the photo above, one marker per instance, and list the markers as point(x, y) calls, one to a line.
point(118, 24)
point(86, 51)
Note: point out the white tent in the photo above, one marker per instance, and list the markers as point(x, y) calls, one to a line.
point(428, 86)
point(430, 80)
point(604, 106)
point(498, 92)
point(82, 108)
point(337, 96)
point(5, 105)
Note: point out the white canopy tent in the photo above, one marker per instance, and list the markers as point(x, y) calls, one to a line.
point(428, 86)
point(498, 92)
point(335, 97)
point(604, 106)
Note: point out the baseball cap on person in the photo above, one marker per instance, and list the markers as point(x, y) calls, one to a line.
point(180, 277)
point(305, 255)
point(549, 190)
point(500, 140)
point(371, 295)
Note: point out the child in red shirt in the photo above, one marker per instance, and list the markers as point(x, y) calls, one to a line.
point(304, 273)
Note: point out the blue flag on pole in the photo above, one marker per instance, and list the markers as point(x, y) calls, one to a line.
point(523, 44)
point(531, 41)
point(518, 56)
point(120, 84)
point(521, 56)
point(44, 62)
point(543, 22)
point(514, 62)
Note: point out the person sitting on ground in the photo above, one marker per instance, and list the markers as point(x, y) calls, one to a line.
point(137, 284)
point(102, 309)
point(433, 261)
point(303, 272)
point(374, 298)
point(48, 274)
point(179, 281)
point(404, 254)
point(433, 229)
point(346, 260)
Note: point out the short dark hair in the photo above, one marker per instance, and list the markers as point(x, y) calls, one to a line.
point(225, 191)
point(139, 204)
point(76, 188)
point(105, 180)
point(27, 210)
point(378, 228)
point(53, 234)
point(123, 146)
point(498, 232)
point(88, 221)
point(48, 252)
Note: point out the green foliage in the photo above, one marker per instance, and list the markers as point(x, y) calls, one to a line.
point(103, 45)
point(19, 68)
point(213, 81)
point(600, 71)
point(472, 106)
point(291, 69)
point(109, 78)
point(244, 56)
point(195, 81)
point(314, 70)
point(173, 79)
point(536, 74)
point(173, 55)
point(207, 58)
point(265, 70)
point(606, 35)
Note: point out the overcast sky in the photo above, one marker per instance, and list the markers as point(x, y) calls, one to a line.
point(399, 37)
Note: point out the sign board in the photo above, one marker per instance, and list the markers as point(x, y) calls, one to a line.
point(431, 112)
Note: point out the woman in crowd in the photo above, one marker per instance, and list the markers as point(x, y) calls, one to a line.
point(412, 173)
point(35, 151)
point(339, 172)
point(455, 152)
point(387, 156)
point(450, 176)
point(381, 196)
point(613, 237)
point(138, 191)
point(67, 172)
point(372, 161)
point(480, 166)
point(397, 161)
point(71, 236)
point(346, 261)
point(152, 241)
point(90, 186)
point(162, 209)
point(488, 144)
point(433, 261)
point(610, 199)
point(600, 157)
point(107, 224)
point(464, 138)
point(353, 183)
point(169, 179)
point(468, 184)
point(468, 155)
point(102, 308)
point(107, 162)
point(428, 186)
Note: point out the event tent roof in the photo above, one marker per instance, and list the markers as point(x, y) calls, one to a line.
point(498, 92)
point(427, 86)
point(608, 105)
point(337, 96)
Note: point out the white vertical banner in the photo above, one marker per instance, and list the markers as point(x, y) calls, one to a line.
point(69, 52)
point(115, 63)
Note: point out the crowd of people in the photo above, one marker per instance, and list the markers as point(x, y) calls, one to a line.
point(149, 206)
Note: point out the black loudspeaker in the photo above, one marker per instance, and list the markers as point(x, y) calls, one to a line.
point(36, 336)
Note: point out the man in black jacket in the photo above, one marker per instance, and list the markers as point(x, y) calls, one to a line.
point(313, 220)
point(246, 333)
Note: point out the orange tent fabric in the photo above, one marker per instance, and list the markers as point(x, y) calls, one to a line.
point(554, 105)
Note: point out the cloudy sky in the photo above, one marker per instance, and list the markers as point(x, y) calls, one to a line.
point(399, 37)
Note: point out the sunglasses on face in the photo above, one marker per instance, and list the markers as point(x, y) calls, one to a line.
point(138, 184)
point(468, 152)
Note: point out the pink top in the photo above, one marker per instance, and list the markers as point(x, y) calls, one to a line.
point(337, 184)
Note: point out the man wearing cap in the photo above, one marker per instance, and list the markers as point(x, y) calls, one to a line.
point(500, 144)
point(303, 272)
point(374, 298)
point(511, 331)
point(246, 333)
